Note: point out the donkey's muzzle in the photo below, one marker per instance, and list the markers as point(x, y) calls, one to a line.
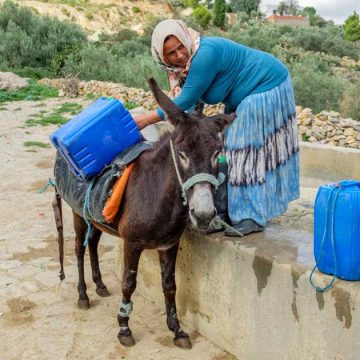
point(201, 206)
point(203, 219)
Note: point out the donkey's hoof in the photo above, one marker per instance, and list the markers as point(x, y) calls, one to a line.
point(183, 342)
point(126, 340)
point(84, 304)
point(103, 292)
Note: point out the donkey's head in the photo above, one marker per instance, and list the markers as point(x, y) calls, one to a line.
point(197, 145)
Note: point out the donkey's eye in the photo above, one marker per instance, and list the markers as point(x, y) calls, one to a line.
point(214, 158)
point(182, 155)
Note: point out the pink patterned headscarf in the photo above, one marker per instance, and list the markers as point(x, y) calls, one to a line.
point(187, 36)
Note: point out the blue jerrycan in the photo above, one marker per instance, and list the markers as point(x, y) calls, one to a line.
point(337, 230)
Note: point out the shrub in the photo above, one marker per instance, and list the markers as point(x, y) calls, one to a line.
point(325, 40)
point(314, 87)
point(121, 35)
point(202, 16)
point(30, 40)
point(350, 104)
point(129, 48)
point(136, 9)
point(116, 65)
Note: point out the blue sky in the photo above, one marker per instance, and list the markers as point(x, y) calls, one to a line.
point(337, 10)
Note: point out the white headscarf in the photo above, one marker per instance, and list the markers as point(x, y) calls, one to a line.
point(187, 36)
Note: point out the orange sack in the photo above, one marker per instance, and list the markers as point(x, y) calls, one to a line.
point(113, 203)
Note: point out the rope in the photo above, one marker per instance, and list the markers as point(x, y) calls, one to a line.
point(218, 223)
point(197, 178)
point(327, 287)
point(45, 187)
point(86, 209)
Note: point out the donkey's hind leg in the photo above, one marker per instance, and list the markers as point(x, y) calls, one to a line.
point(131, 261)
point(94, 238)
point(167, 263)
point(80, 231)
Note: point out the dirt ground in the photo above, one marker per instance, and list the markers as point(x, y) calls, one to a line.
point(39, 318)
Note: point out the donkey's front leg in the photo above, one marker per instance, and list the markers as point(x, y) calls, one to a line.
point(167, 263)
point(131, 261)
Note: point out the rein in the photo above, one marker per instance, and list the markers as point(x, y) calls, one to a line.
point(195, 179)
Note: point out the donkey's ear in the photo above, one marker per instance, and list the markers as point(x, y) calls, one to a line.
point(173, 112)
point(221, 120)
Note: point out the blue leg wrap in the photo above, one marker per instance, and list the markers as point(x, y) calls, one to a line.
point(126, 309)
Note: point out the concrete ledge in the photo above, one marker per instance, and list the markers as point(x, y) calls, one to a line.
point(252, 296)
point(329, 162)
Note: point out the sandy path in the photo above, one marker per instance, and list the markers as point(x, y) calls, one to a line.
point(39, 318)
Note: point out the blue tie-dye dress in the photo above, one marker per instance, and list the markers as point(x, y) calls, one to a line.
point(262, 143)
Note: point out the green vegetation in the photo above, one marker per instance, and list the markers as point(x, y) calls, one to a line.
point(53, 119)
point(130, 105)
point(68, 107)
point(219, 10)
point(202, 16)
point(91, 96)
point(305, 137)
point(37, 144)
point(136, 10)
point(35, 47)
point(34, 92)
point(56, 117)
point(245, 6)
point(30, 40)
point(352, 27)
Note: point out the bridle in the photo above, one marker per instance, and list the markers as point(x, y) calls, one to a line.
point(195, 179)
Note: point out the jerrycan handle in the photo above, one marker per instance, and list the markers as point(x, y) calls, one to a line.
point(347, 183)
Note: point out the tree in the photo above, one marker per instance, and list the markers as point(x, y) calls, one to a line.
point(309, 10)
point(246, 6)
point(290, 7)
point(352, 27)
point(219, 13)
point(314, 18)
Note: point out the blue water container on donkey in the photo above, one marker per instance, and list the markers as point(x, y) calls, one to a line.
point(92, 139)
point(337, 231)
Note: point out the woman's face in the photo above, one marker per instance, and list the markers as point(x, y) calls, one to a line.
point(175, 53)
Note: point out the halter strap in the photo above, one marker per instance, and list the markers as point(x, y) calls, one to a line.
point(195, 179)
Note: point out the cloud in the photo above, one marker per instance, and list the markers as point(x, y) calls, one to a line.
point(335, 10)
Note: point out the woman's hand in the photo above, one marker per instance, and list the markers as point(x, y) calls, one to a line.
point(146, 119)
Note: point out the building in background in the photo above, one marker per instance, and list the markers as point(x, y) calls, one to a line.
point(272, 15)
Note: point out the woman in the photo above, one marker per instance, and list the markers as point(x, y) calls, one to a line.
point(261, 144)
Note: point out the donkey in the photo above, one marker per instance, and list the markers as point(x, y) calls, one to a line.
point(156, 209)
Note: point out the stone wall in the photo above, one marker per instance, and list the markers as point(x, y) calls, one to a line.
point(326, 127)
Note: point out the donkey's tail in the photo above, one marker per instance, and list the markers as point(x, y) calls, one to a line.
point(57, 207)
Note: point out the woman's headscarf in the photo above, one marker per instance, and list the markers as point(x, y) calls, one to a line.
point(187, 36)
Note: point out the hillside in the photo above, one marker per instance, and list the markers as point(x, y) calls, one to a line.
point(96, 16)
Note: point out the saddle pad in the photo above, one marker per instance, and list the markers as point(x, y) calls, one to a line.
point(73, 189)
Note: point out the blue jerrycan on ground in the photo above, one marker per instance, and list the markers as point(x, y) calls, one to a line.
point(337, 231)
point(92, 139)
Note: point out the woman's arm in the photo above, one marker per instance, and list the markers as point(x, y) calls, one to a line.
point(146, 119)
point(203, 71)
